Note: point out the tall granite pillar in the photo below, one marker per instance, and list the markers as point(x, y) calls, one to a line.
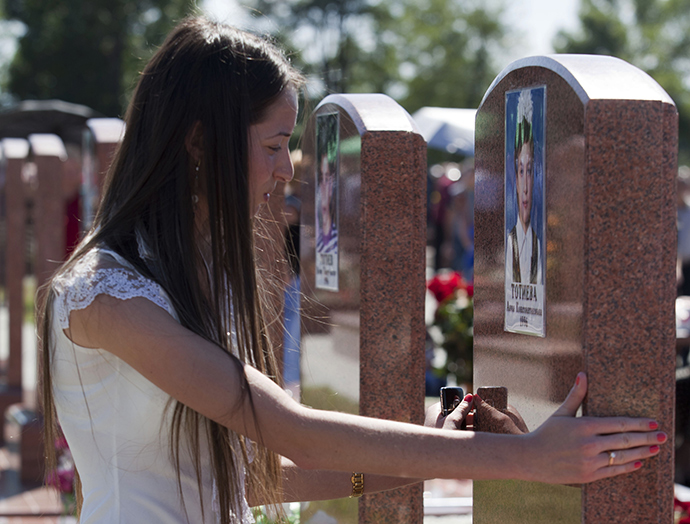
point(576, 159)
point(48, 154)
point(101, 138)
point(363, 282)
point(15, 151)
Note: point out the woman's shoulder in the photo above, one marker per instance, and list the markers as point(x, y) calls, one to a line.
point(87, 266)
point(102, 271)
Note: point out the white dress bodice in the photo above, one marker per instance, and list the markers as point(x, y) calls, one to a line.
point(117, 422)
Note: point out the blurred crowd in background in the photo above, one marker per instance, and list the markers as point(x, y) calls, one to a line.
point(450, 216)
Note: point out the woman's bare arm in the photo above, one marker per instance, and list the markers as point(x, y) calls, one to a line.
point(303, 484)
point(195, 372)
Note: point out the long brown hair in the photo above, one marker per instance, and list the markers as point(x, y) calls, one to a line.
point(225, 80)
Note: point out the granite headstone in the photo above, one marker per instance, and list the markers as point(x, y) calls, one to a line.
point(363, 276)
point(575, 268)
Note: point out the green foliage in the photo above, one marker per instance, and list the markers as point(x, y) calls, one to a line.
point(292, 515)
point(29, 293)
point(87, 51)
point(653, 35)
point(325, 398)
point(345, 510)
point(430, 52)
point(455, 318)
point(329, 26)
point(444, 49)
point(603, 33)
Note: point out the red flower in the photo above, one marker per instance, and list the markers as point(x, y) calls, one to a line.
point(62, 479)
point(66, 479)
point(61, 443)
point(445, 284)
point(683, 506)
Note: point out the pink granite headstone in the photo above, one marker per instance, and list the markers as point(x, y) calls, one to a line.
point(597, 292)
point(48, 153)
point(101, 138)
point(363, 280)
point(44, 184)
point(14, 152)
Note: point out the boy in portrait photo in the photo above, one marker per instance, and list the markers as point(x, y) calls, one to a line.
point(327, 166)
point(524, 211)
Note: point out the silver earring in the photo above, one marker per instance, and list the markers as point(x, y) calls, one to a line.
point(195, 197)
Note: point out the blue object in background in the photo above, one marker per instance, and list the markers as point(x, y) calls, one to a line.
point(291, 341)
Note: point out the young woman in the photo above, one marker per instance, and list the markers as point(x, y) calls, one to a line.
point(155, 356)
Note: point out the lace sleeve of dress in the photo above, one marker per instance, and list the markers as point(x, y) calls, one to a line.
point(100, 273)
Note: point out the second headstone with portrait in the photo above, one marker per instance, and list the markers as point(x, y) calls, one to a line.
point(363, 278)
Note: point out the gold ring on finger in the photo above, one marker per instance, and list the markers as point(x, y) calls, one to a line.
point(612, 456)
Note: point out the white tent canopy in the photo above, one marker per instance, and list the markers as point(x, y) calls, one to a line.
point(447, 128)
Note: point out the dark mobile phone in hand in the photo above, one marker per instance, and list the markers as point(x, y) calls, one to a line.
point(451, 396)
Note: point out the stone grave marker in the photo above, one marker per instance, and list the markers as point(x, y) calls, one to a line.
point(363, 280)
point(575, 268)
point(48, 153)
point(14, 152)
point(43, 182)
point(100, 139)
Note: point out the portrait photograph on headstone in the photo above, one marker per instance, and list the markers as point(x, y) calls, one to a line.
point(327, 167)
point(524, 211)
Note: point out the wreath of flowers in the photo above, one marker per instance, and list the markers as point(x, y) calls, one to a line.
point(525, 110)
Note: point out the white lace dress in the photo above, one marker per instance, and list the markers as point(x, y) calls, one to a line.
point(115, 420)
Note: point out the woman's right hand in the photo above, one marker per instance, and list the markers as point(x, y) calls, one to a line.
point(435, 419)
point(508, 421)
point(570, 450)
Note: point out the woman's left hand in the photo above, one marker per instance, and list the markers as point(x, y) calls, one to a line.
point(434, 418)
point(567, 449)
point(508, 421)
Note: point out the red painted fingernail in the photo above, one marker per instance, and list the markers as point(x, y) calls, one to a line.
point(653, 425)
point(468, 397)
point(661, 437)
point(638, 465)
point(577, 380)
point(654, 449)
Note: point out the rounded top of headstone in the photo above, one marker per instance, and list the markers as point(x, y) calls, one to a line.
point(65, 119)
point(594, 77)
point(106, 130)
point(47, 144)
point(447, 128)
point(373, 112)
point(15, 148)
